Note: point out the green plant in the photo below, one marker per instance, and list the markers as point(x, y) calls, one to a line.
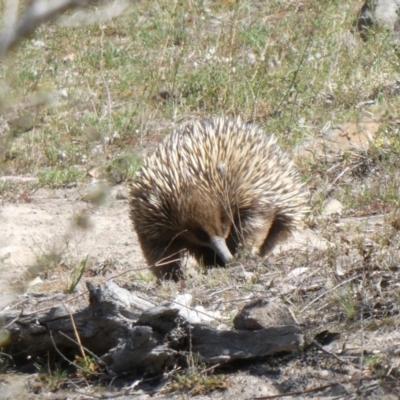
point(377, 364)
point(86, 366)
point(5, 185)
point(123, 168)
point(348, 305)
point(76, 275)
point(103, 94)
point(195, 382)
point(51, 376)
point(58, 177)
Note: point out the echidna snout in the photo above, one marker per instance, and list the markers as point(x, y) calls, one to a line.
point(218, 244)
point(206, 225)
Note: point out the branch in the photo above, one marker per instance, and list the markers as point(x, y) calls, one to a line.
point(38, 12)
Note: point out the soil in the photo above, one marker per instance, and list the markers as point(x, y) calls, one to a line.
point(47, 222)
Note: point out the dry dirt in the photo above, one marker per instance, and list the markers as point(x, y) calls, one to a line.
point(48, 222)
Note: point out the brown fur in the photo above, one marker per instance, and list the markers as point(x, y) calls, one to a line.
point(213, 179)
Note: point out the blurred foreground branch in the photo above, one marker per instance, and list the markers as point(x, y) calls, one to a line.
point(36, 13)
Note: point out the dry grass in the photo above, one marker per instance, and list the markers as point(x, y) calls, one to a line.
point(114, 88)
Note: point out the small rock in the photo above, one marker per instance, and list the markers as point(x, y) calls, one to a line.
point(379, 13)
point(17, 257)
point(287, 289)
point(249, 276)
point(347, 138)
point(183, 303)
point(38, 43)
point(251, 59)
point(122, 194)
point(96, 173)
point(302, 240)
point(207, 315)
point(97, 193)
point(261, 314)
point(35, 281)
point(297, 272)
point(23, 123)
point(332, 207)
point(63, 93)
point(69, 57)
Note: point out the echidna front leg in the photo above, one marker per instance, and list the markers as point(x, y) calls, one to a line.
point(207, 257)
point(171, 271)
point(263, 231)
point(252, 232)
point(279, 230)
point(165, 263)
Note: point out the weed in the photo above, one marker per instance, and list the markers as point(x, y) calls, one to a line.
point(376, 363)
point(4, 337)
point(51, 376)
point(86, 367)
point(76, 275)
point(195, 382)
point(275, 73)
point(58, 177)
point(349, 306)
point(5, 185)
point(122, 168)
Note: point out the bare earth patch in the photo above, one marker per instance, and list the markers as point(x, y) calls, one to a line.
point(47, 224)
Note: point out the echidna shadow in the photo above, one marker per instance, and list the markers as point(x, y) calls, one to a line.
point(211, 187)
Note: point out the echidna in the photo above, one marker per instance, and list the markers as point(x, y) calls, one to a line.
point(211, 187)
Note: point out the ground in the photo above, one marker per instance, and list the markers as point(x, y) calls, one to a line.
point(45, 225)
point(82, 104)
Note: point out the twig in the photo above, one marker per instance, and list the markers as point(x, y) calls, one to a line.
point(190, 308)
point(110, 119)
point(50, 307)
point(76, 332)
point(298, 393)
point(330, 186)
point(210, 369)
point(296, 73)
point(328, 291)
point(169, 244)
point(11, 322)
point(94, 396)
point(336, 357)
point(69, 361)
point(5, 355)
point(312, 390)
point(165, 260)
point(74, 341)
point(78, 295)
point(361, 361)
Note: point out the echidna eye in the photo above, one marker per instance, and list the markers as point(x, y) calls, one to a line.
point(224, 229)
point(201, 235)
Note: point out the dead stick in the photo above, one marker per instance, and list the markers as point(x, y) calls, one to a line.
point(312, 390)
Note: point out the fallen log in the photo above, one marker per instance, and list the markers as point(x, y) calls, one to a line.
point(132, 335)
